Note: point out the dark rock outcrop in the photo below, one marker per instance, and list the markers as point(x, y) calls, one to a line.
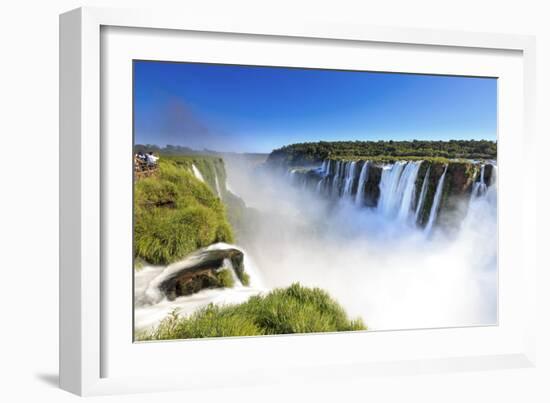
point(456, 192)
point(338, 176)
point(200, 270)
point(372, 186)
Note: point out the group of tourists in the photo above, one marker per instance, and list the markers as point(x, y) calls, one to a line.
point(145, 161)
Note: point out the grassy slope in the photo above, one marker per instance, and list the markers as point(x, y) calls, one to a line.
point(209, 167)
point(295, 309)
point(175, 214)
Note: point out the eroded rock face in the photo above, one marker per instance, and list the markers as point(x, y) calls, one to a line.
point(200, 271)
point(339, 178)
point(488, 174)
point(456, 193)
point(372, 186)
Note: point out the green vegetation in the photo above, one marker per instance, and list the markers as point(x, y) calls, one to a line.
point(165, 151)
point(387, 151)
point(245, 279)
point(209, 167)
point(175, 213)
point(295, 309)
point(212, 167)
point(225, 278)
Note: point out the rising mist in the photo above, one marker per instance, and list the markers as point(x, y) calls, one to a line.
point(381, 268)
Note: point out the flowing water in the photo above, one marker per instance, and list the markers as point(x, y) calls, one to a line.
point(422, 197)
point(363, 176)
point(217, 182)
point(197, 173)
point(376, 262)
point(435, 205)
point(151, 305)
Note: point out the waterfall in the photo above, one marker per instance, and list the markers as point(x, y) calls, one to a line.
point(336, 180)
point(324, 171)
point(319, 186)
point(388, 186)
point(480, 188)
point(218, 189)
point(397, 188)
point(151, 306)
point(423, 191)
point(396, 197)
point(363, 176)
point(494, 175)
point(197, 173)
point(407, 189)
point(350, 177)
point(324, 167)
point(292, 176)
point(435, 204)
point(228, 265)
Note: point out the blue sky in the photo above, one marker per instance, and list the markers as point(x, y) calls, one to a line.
point(257, 109)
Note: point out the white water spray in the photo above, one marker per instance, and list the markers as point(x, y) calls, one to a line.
point(391, 275)
point(435, 205)
point(349, 178)
point(152, 306)
point(480, 188)
point(218, 189)
point(197, 173)
point(397, 189)
point(363, 177)
point(422, 197)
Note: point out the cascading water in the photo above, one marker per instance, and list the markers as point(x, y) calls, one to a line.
point(391, 274)
point(218, 189)
point(336, 179)
point(407, 189)
point(435, 205)
point(323, 172)
point(197, 173)
point(397, 188)
point(388, 187)
point(494, 175)
point(363, 176)
point(480, 187)
point(152, 306)
point(349, 178)
point(292, 176)
point(422, 197)
point(394, 196)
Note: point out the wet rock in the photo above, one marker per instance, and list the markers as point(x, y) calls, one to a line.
point(201, 270)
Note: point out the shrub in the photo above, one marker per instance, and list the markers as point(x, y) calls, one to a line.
point(245, 279)
point(225, 278)
point(295, 309)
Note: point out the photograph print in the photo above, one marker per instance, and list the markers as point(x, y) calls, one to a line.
point(274, 200)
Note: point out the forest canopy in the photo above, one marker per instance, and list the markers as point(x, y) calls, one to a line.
point(453, 149)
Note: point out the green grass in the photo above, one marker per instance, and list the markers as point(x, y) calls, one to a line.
point(295, 309)
point(175, 214)
point(210, 167)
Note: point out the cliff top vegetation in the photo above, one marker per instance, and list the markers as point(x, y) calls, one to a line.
point(303, 153)
point(175, 214)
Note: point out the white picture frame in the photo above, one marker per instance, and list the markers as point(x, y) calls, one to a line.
point(85, 345)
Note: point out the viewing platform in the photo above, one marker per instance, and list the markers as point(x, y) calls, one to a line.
point(144, 169)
